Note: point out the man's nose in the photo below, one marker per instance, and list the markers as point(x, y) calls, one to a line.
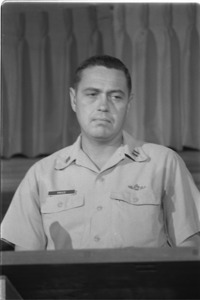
point(103, 103)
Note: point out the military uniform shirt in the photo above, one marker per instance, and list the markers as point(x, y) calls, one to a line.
point(143, 196)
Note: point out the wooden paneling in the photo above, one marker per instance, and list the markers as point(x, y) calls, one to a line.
point(99, 274)
point(105, 274)
point(7, 290)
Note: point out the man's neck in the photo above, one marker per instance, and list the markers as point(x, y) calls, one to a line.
point(100, 151)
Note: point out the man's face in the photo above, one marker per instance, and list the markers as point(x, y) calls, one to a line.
point(101, 102)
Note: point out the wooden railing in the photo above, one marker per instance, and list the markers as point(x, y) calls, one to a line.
point(130, 273)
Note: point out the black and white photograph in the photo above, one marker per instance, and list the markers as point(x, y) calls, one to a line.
point(100, 150)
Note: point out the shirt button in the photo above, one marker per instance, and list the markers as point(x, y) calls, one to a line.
point(60, 204)
point(97, 238)
point(135, 200)
point(102, 179)
point(99, 207)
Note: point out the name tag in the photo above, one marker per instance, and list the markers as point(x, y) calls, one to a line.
point(62, 192)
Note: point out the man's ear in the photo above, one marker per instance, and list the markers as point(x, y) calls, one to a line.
point(72, 94)
point(130, 101)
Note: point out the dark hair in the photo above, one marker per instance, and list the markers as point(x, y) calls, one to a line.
point(105, 61)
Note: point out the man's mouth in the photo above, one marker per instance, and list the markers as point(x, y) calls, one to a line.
point(102, 120)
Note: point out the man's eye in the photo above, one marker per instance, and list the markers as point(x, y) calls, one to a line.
point(92, 94)
point(116, 97)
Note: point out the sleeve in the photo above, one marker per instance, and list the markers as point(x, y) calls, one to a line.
point(181, 201)
point(22, 224)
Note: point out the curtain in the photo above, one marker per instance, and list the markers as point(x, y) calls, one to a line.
point(42, 44)
point(170, 82)
point(191, 80)
point(146, 76)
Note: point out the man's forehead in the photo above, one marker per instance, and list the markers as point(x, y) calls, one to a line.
point(102, 69)
point(101, 74)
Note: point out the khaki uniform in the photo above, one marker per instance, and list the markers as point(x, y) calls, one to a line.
point(143, 197)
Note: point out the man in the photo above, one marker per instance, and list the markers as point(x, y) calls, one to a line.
point(107, 190)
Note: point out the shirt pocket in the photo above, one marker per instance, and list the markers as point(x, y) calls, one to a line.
point(132, 197)
point(59, 203)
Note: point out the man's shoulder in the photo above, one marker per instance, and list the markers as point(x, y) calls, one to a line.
point(49, 161)
point(62, 153)
point(152, 150)
point(160, 152)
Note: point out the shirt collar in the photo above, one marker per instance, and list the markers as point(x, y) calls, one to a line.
point(63, 160)
point(131, 148)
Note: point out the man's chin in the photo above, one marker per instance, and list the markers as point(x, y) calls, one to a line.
point(101, 136)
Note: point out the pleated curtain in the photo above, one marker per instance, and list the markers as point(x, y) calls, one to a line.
point(191, 81)
point(146, 79)
point(42, 44)
point(95, 45)
point(69, 126)
point(11, 87)
point(170, 84)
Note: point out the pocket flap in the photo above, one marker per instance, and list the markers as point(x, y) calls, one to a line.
point(62, 202)
point(141, 197)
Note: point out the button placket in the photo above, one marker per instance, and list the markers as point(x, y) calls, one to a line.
point(99, 198)
point(100, 215)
